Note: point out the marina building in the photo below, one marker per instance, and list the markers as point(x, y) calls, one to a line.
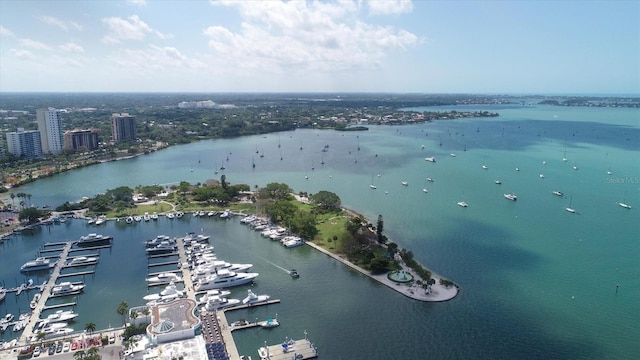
point(123, 127)
point(81, 139)
point(173, 321)
point(25, 143)
point(50, 127)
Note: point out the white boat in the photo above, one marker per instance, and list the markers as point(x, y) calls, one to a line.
point(171, 216)
point(226, 214)
point(129, 220)
point(53, 327)
point(570, 209)
point(224, 279)
point(93, 239)
point(60, 315)
point(163, 278)
point(626, 206)
point(293, 241)
point(452, 155)
point(146, 216)
point(557, 193)
point(254, 299)
point(82, 261)
point(3, 293)
point(425, 190)
point(373, 186)
point(163, 247)
point(499, 182)
point(65, 288)
point(34, 302)
point(541, 176)
point(485, 166)
point(211, 293)
point(137, 218)
point(430, 159)
point(7, 318)
point(216, 302)
point(40, 263)
point(169, 293)
point(214, 266)
point(270, 323)
point(154, 216)
point(179, 214)
point(294, 273)
point(101, 220)
point(201, 238)
point(404, 183)
point(463, 204)
point(511, 196)
point(429, 179)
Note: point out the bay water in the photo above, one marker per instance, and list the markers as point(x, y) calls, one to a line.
point(536, 281)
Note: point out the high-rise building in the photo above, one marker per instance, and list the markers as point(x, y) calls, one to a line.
point(78, 139)
point(123, 127)
point(50, 127)
point(25, 143)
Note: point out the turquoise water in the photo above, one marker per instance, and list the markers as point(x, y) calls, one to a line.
point(536, 280)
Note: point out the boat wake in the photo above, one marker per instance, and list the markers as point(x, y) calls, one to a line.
point(276, 265)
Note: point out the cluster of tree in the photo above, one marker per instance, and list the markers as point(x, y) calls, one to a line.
point(407, 257)
point(277, 201)
point(364, 247)
point(215, 192)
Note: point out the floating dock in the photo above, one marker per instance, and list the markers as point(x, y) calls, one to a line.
point(289, 349)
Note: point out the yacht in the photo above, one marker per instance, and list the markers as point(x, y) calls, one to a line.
point(157, 240)
point(511, 196)
point(101, 220)
point(3, 293)
point(254, 299)
point(557, 193)
point(217, 302)
point(163, 278)
point(269, 323)
point(226, 214)
point(40, 263)
point(430, 159)
point(93, 239)
point(66, 288)
point(216, 265)
point(82, 261)
point(34, 302)
point(211, 294)
point(169, 293)
point(201, 238)
point(463, 204)
point(163, 247)
point(60, 315)
point(53, 327)
point(129, 220)
point(224, 279)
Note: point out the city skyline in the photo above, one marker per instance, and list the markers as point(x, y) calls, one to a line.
point(523, 47)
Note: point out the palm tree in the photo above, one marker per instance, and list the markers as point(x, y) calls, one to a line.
point(13, 196)
point(93, 353)
point(90, 327)
point(79, 355)
point(40, 336)
point(122, 310)
point(29, 198)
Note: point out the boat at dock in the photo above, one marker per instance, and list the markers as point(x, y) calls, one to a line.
point(219, 302)
point(169, 293)
point(82, 261)
point(40, 263)
point(58, 316)
point(270, 323)
point(66, 288)
point(163, 247)
point(93, 239)
point(224, 279)
point(3, 293)
point(252, 298)
point(163, 278)
point(34, 302)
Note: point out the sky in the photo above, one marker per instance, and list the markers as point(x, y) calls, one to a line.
point(377, 46)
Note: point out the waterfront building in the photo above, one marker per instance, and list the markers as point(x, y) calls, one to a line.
point(173, 321)
point(50, 127)
point(79, 139)
point(25, 143)
point(123, 127)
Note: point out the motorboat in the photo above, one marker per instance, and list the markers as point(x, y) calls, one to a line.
point(430, 159)
point(146, 217)
point(93, 239)
point(484, 166)
point(254, 299)
point(452, 155)
point(294, 273)
point(218, 302)
point(211, 293)
point(201, 238)
point(169, 293)
point(3, 293)
point(53, 327)
point(163, 247)
point(226, 214)
point(270, 323)
point(557, 193)
point(157, 240)
point(404, 183)
point(429, 179)
point(40, 263)
point(498, 182)
point(82, 261)
point(224, 279)
point(424, 190)
point(626, 206)
point(66, 288)
point(60, 315)
point(154, 216)
point(101, 220)
point(179, 214)
point(34, 302)
point(541, 176)
point(292, 241)
point(7, 318)
point(163, 278)
point(137, 218)
point(215, 266)
point(171, 216)
point(463, 204)
point(129, 220)
point(511, 196)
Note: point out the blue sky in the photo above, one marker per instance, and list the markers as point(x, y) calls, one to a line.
point(576, 47)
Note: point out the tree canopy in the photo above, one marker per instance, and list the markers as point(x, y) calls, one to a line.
point(326, 201)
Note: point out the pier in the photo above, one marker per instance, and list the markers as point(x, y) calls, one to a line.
point(173, 262)
point(163, 255)
point(245, 306)
point(77, 273)
point(295, 349)
point(57, 306)
point(40, 306)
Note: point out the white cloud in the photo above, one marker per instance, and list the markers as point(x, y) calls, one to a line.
point(5, 32)
point(33, 44)
point(298, 35)
point(72, 48)
point(22, 54)
point(386, 7)
point(64, 25)
point(137, 2)
point(155, 58)
point(132, 28)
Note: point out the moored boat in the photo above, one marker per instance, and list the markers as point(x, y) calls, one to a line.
point(40, 263)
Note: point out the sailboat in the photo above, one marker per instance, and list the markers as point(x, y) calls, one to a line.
point(253, 162)
point(564, 157)
point(372, 185)
point(570, 209)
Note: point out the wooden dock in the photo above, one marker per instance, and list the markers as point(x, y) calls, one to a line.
point(57, 306)
point(77, 274)
point(245, 306)
point(163, 255)
point(173, 262)
point(294, 349)
point(90, 248)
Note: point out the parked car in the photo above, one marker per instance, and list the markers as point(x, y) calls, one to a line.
point(37, 351)
point(52, 349)
point(66, 346)
point(59, 347)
